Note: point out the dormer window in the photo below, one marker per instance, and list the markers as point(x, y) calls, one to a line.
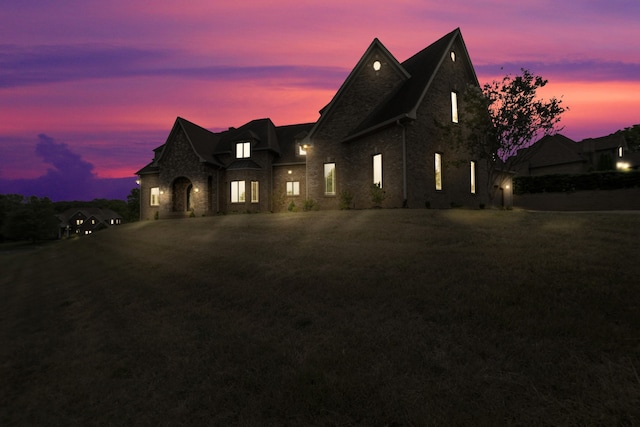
point(243, 150)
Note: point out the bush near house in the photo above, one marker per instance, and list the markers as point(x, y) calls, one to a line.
point(562, 183)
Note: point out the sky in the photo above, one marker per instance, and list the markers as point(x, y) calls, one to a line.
point(89, 88)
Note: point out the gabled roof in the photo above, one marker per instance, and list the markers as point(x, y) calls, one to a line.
point(608, 142)
point(290, 136)
point(421, 68)
point(261, 132)
point(97, 213)
point(552, 150)
point(201, 140)
point(418, 72)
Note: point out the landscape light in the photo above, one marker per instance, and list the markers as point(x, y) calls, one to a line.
point(623, 165)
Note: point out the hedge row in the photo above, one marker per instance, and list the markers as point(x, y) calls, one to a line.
point(564, 183)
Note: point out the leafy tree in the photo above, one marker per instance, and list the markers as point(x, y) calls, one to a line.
point(9, 203)
point(133, 205)
point(32, 219)
point(632, 136)
point(503, 117)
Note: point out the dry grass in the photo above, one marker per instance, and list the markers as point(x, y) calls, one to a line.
point(374, 317)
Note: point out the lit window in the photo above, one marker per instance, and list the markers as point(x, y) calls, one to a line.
point(473, 177)
point(453, 56)
point(330, 179)
point(454, 107)
point(155, 196)
point(377, 65)
point(293, 188)
point(438, 169)
point(302, 149)
point(377, 170)
point(112, 221)
point(93, 221)
point(243, 150)
point(255, 187)
point(237, 192)
point(620, 151)
point(79, 221)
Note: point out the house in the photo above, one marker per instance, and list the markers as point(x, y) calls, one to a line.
point(380, 133)
point(86, 221)
point(557, 154)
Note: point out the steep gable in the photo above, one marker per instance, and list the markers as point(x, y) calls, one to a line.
point(422, 68)
point(374, 78)
point(200, 140)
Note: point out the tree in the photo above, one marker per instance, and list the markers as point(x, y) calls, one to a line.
point(133, 205)
point(504, 117)
point(632, 136)
point(32, 219)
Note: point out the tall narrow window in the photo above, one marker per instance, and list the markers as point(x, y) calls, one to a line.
point(293, 188)
point(330, 179)
point(473, 177)
point(454, 107)
point(237, 192)
point(155, 196)
point(438, 169)
point(620, 151)
point(377, 170)
point(255, 191)
point(243, 150)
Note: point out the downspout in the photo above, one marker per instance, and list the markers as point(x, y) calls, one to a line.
point(218, 190)
point(404, 164)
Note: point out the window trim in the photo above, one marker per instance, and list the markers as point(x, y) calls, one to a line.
point(333, 179)
point(243, 150)
point(154, 196)
point(438, 171)
point(239, 192)
point(295, 188)
point(454, 107)
point(472, 171)
point(377, 170)
point(255, 192)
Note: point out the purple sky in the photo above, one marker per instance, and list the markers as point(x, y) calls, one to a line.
point(88, 88)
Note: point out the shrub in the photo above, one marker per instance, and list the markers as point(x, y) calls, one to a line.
point(292, 207)
point(377, 195)
point(309, 205)
point(345, 199)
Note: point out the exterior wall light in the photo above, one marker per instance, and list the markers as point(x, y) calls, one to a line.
point(377, 65)
point(196, 190)
point(289, 171)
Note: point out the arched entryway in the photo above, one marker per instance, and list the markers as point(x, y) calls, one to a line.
point(181, 191)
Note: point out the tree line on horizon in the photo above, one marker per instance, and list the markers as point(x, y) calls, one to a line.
point(34, 218)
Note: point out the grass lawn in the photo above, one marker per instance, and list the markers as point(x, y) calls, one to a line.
point(369, 317)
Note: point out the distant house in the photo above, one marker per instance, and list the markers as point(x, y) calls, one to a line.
point(86, 221)
point(380, 133)
point(558, 154)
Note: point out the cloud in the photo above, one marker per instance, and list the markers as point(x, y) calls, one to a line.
point(569, 71)
point(67, 63)
point(69, 178)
